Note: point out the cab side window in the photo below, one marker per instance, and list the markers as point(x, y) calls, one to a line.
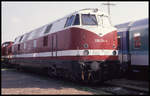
point(69, 21)
point(77, 20)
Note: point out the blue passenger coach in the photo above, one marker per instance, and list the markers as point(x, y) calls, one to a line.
point(134, 45)
point(123, 44)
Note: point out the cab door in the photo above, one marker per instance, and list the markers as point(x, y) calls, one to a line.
point(120, 46)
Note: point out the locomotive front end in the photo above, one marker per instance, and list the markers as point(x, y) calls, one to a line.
point(95, 41)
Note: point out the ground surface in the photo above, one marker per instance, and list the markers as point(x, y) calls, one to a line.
point(16, 82)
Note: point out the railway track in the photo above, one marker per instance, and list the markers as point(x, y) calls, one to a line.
point(132, 84)
point(114, 87)
point(125, 87)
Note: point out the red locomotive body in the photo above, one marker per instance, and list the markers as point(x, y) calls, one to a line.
point(80, 46)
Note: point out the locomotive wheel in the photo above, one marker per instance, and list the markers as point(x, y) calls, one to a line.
point(92, 77)
point(51, 72)
point(66, 74)
point(95, 76)
point(18, 68)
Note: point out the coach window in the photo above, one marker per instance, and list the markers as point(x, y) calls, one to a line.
point(89, 19)
point(77, 20)
point(48, 28)
point(45, 41)
point(137, 40)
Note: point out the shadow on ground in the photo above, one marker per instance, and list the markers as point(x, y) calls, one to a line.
point(12, 78)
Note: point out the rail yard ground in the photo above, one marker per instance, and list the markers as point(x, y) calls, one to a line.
point(16, 82)
point(21, 82)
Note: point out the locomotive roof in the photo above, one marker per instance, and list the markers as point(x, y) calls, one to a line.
point(42, 28)
point(8, 42)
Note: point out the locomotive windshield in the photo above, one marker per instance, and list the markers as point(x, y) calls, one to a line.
point(6, 44)
point(73, 20)
point(69, 21)
point(89, 19)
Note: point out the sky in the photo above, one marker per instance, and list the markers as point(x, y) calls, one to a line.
point(21, 17)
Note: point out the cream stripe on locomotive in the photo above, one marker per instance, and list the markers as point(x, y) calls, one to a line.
point(68, 53)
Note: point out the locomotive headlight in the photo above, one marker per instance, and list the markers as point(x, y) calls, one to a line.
point(86, 52)
point(114, 52)
point(85, 45)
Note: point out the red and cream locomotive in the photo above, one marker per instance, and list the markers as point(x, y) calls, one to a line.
point(81, 46)
point(6, 53)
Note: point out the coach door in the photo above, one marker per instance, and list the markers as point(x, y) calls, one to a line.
point(120, 46)
point(54, 45)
